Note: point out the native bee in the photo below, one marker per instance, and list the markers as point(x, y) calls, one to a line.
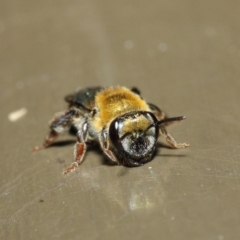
point(125, 126)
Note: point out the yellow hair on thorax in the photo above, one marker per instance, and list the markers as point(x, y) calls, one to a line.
point(114, 102)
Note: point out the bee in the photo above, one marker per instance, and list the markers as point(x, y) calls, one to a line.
point(125, 126)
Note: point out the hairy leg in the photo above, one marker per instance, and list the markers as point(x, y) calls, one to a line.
point(170, 140)
point(58, 124)
point(79, 149)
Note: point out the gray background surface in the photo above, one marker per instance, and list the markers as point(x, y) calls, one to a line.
point(184, 56)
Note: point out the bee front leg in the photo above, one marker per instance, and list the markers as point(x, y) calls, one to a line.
point(110, 154)
point(59, 123)
point(170, 140)
point(104, 143)
point(174, 144)
point(79, 149)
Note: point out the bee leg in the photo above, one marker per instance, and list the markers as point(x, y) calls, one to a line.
point(79, 152)
point(104, 144)
point(59, 123)
point(174, 144)
point(110, 155)
point(79, 149)
point(170, 140)
point(50, 138)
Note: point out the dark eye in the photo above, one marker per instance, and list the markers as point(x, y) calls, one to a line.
point(114, 133)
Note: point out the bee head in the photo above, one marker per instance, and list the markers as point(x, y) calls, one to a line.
point(133, 137)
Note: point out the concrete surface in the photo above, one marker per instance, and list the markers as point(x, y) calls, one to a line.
point(185, 58)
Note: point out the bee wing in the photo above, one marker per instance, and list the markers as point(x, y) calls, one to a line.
point(84, 98)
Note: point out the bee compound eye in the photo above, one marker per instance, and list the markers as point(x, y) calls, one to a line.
point(114, 133)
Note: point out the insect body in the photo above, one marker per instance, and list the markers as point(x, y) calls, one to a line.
point(125, 126)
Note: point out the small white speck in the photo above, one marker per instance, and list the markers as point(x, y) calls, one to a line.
point(149, 167)
point(16, 115)
point(172, 218)
point(201, 185)
point(163, 47)
point(128, 44)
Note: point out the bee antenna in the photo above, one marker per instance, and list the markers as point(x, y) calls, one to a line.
point(173, 119)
